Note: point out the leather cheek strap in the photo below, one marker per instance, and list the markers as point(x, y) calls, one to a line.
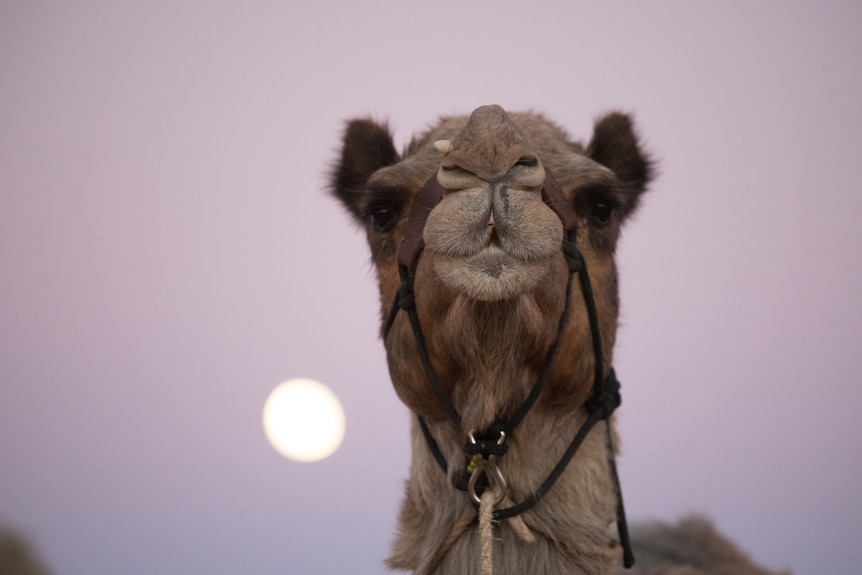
point(553, 196)
point(429, 196)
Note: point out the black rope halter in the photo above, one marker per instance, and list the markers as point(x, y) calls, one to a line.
point(491, 443)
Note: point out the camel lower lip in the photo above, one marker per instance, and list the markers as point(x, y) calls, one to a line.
point(491, 263)
point(489, 275)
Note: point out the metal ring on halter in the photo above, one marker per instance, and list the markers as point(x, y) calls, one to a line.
point(495, 480)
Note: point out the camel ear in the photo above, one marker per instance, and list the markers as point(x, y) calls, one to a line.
point(366, 147)
point(615, 145)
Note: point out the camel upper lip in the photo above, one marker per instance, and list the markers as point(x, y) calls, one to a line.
point(490, 255)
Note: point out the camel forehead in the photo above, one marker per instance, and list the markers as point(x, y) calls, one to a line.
point(563, 157)
point(489, 122)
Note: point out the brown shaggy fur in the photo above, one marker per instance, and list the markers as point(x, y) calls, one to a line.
point(490, 286)
point(691, 547)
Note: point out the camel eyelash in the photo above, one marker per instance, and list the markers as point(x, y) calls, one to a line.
point(588, 198)
point(383, 207)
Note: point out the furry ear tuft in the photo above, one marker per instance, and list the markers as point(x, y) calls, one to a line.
point(615, 145)
point(366, 147)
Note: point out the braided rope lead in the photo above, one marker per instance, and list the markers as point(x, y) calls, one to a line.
point(486, 532)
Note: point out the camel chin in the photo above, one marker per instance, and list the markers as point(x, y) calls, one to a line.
point(490, 274)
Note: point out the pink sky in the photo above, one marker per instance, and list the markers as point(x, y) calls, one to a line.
point(169, 255)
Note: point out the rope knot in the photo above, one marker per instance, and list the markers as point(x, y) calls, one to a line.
point(609, 399)
point(404, 297)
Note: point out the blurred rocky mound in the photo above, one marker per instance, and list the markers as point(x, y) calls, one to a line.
point(17, 556)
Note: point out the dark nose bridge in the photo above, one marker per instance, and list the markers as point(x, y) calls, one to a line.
point(488, 145)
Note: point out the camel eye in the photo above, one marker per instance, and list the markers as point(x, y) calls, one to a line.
point(601, 214)
point(382, 218)
point(527, 162)
point(384, 204)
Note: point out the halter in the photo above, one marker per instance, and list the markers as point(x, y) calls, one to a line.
point(484, 448)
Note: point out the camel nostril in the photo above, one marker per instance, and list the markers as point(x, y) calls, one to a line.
point(491, 236)
point(527, 162)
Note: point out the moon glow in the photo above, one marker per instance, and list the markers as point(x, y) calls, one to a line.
point(303, 420)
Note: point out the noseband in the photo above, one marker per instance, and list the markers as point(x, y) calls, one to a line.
point(484, 448)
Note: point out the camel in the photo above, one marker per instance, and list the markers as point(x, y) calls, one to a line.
point(493, 238)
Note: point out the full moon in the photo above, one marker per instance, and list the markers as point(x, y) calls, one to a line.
point(303, 420)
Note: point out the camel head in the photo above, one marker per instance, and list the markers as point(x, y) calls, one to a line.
point(490, 281)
